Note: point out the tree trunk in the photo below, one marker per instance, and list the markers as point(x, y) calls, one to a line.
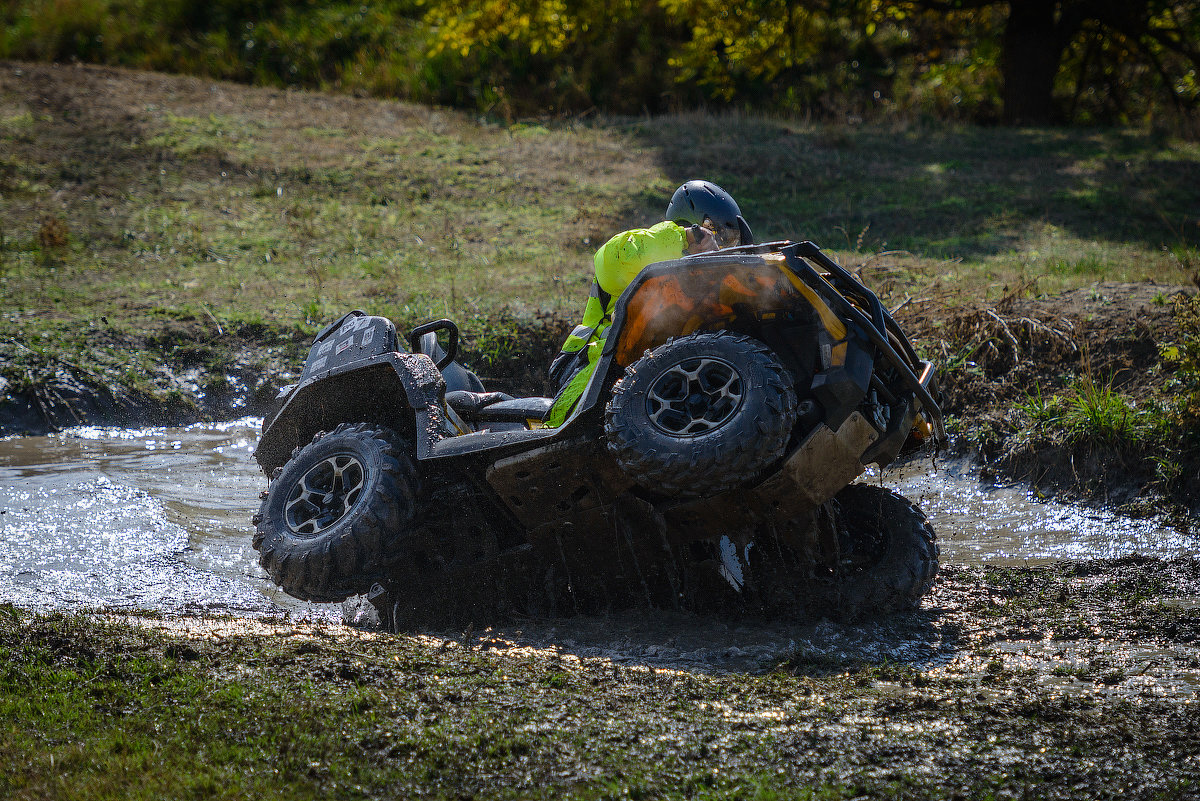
point(1032, 49)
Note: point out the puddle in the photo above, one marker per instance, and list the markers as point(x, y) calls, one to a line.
point(981, 523)
point(147, 519)
point(158, 519)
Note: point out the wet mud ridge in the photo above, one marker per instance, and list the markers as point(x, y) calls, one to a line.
point(197, 374)
point(1075, 680)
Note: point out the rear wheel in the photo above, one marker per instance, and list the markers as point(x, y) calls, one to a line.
point(888, 556)
point(701, 414)
point(335, 513)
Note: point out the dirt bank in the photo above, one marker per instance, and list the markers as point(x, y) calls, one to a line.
point(194, 369)
point(1003, 364)
point(188, 370)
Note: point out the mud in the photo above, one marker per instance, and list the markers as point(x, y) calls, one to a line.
point(197, 375)
point(995, 358)
point(971, 628)
point(1059, 650)
point(1072, 680)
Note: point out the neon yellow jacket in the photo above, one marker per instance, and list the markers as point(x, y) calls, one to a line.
point(617, 264)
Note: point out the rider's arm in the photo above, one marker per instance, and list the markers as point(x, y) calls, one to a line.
point(624, 256)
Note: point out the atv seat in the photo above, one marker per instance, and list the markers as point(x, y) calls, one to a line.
point(456, 376)
point(466, 395)
point(497, 407)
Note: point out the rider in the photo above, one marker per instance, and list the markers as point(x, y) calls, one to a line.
point(701, 217)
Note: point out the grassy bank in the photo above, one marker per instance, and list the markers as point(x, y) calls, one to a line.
point(1017, 696)
point(136, 197)
point(158, 234)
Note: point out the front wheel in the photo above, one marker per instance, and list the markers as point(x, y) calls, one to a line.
point(888, 556)
point(335, 513)
point(701, 414)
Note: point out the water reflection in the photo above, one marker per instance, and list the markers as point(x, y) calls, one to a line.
point(984, 523)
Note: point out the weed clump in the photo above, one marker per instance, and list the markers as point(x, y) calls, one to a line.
point(1092, 412)
point(1184, 355)
point(53, 235)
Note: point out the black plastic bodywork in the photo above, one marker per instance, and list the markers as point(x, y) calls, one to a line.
point(560, 491)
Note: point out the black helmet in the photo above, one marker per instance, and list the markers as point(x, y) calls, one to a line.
point(697, 201)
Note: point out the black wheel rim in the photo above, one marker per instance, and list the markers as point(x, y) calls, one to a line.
point(695, 397)
point(325, 494)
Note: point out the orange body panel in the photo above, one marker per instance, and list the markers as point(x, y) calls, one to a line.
point(702, 298)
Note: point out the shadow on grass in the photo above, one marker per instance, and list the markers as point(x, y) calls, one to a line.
point(945, 192)
point(711, 644)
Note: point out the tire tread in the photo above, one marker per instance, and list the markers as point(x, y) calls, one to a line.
point(349, 557)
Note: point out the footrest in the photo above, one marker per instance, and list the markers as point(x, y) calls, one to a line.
point(470, 404)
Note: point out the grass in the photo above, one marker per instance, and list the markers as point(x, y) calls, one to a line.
point(1184, 355)
point(1089, 411)
point(289, 207)
point(98, 708)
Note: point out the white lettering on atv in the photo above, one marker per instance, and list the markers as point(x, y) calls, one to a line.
point(367, 337)
point(326, 346)
point(343, 346)
point(317, 365)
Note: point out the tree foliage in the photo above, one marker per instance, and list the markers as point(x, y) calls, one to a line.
point(1086, 61)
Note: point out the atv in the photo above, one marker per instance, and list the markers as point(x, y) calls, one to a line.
point(708, 465)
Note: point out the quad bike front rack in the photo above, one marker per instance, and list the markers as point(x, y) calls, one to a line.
point(877, 327)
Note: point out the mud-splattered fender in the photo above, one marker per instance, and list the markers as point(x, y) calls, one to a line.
point(401, 391)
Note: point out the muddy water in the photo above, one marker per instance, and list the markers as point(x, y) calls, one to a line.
point(158, 519)
point(1004, 524)
point(151, 519)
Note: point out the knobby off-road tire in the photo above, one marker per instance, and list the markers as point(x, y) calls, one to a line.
point(336, 512)
point(889, 556)
point(701, 414)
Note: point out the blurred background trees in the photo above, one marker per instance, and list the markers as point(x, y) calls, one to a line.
point(1012, 61)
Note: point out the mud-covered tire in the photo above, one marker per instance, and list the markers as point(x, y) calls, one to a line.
point(335, 513)
point(676, 427)
point(889, 556)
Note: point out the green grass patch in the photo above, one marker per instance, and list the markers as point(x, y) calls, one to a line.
point(1090, 411)
point(96, 708)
